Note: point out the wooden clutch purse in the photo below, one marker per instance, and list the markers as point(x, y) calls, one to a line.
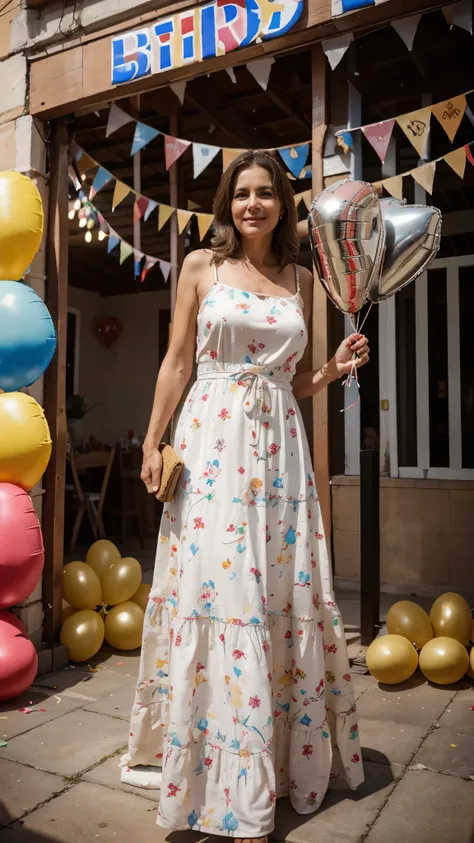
point(170, 474)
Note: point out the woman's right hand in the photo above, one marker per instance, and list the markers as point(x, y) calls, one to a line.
point(152, 466)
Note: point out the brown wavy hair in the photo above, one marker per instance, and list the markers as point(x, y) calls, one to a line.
point(226, 241)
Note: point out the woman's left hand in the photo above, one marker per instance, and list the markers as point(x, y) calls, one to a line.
point(344, 357)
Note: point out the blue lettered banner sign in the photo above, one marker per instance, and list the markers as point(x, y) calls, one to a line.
point(200, 33)
point(342, 7)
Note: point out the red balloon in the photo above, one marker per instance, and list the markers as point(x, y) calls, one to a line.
point(108, 330)
point(18, 665)
point(10, 626)
point(21, 546)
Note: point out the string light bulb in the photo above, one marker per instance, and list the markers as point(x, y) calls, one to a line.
point(82, 222)
point(90, 223)
point(88, 236)
point(77, 204)
point(71, 214)
point(102, 235)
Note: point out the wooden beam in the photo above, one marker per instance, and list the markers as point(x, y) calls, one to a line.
point(320, 331)
point(55, 382)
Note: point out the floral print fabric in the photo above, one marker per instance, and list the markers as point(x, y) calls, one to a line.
point(244, 693)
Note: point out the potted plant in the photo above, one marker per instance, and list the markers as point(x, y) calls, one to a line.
point(76, 409)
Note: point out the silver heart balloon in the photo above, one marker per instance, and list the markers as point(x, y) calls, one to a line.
point(347, 236)
point(412, 238)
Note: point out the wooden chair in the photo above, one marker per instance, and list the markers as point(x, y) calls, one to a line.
point(132, 494)
point(89, 503)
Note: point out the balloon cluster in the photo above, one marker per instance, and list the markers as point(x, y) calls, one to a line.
point(27, 344)
point(368, 249)
point(87, 215)
point(104, 598)
point(439, 642)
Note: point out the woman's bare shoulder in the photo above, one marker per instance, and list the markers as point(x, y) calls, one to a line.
point(198, 260)
point(306, 278)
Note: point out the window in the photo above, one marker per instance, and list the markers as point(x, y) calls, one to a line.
point(72, 352)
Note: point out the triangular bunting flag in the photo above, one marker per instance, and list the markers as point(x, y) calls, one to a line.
point(204, 223)
point(117, 119)
point(416, 126)
point(457, 161)
point(85, 162)
point(121, 190)
point(229, 155)
point(125, 251)
point(139, 208)
point(165, 267)
point(295, 157)
point(424, 175)
point(450, 114)
point(231, 73)
point(192, 206)
point(112, 243)
point(151, 207)
point(179, 88)
point(379, 136)
point(143, 135)
point(344, 142)
point(336, 48)
point(149, 264)
point(448, 12)
point(261, 69)
point(462, 15)
point(406, 29)
point(137, 262)
point(174, 148)
point(394, 186)
point(297, 197)
point(101, 178)
point(202, 157)
point(183, 219)
point(164, 213)
point(469, 154)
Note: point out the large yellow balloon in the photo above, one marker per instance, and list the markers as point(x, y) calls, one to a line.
point(81, 586)
point(451, 617)
point(121, 581)
point(124, 626)
point(83, 635)
point(444, 660)
point(470, 668)
point(410, 620)
point(101, 556)
point(67, 611)
point(141, 596)
point(21, 224)
point(391, 659)
point(25, 443)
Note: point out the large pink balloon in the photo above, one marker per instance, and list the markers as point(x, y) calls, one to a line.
point(10, 626)
point(18, 665)
point(21, 546)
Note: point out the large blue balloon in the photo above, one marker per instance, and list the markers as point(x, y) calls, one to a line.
point(27, 336)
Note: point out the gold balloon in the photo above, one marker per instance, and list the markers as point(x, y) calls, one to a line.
point(470, 669)
point(451, 617)
point(141, 596)
point(121, 581)
point(443, 660)
point(25, 442)
point(81, 586)
point(391, 659)
point(101, 556)
point(21, 224)
point(410, 620)
point(67, 611)
point(124, 626)
point(83, 635)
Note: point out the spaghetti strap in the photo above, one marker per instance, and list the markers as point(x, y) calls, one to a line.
point(297, 278)
point(216, 279)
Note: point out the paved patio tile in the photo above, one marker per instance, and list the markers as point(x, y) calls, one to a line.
point(69, 744)
point(414, 702)
point(89, 812)
point(22, 789)
point(426, 808)
point(344, 815)
point(362, 682)
point(459, 715)
point(447, 751)
point(108, 774)
point(117, 704)
point(15, 722)
point(396, 741)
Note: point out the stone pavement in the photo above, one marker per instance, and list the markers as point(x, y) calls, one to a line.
point(59, 776)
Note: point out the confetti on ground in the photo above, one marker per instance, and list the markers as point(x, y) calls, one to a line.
point(3, 743)
point(58, 699)
point(28, 710)
point(92, 669)
point(120, 664)
point(453, 746)
point(472, 707)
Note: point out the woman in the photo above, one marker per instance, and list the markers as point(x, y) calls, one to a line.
point(244, 678)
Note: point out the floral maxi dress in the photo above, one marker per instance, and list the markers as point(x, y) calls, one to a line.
point(244, 693)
